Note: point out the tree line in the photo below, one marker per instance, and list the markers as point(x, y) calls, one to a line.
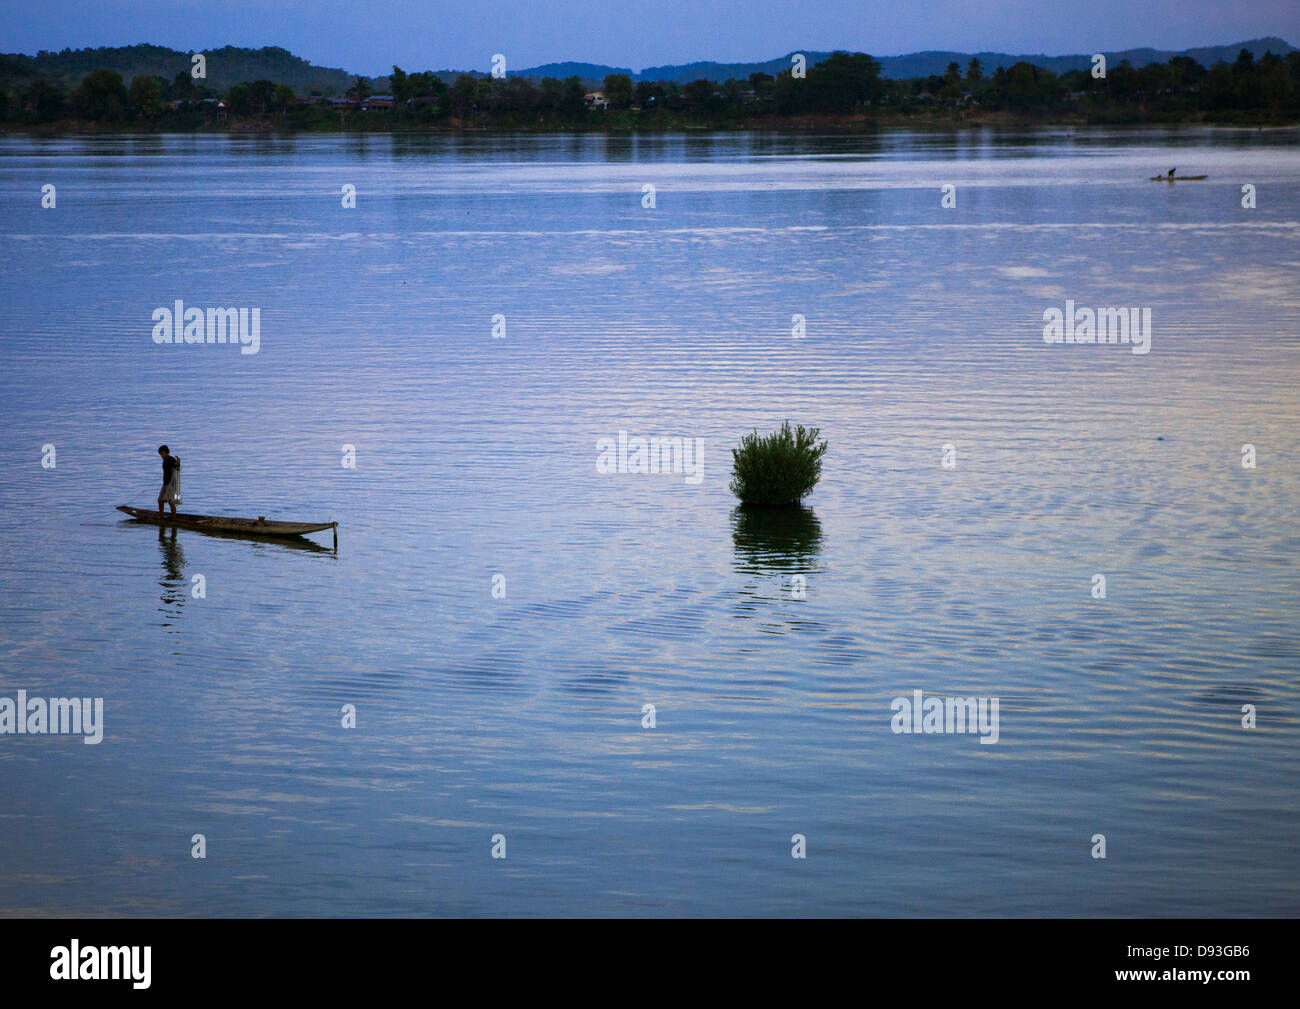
point(843, 85)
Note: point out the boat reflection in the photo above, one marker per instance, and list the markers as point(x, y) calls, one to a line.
point(175, 589)
point(268, 542)
point(287, 542)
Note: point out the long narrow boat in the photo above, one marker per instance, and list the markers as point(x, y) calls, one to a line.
point(1179, 178)
point(259, 526)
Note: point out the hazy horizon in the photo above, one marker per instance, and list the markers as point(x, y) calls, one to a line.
point(458, 36)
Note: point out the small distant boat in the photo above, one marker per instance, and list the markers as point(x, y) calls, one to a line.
point(259, 526)
point(1179, 178)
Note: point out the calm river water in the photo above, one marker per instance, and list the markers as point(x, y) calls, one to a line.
point(499, 612)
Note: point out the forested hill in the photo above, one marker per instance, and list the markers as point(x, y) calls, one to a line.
point(225, 66)
point(231, 65)
point(932, 62)
point(927, 63)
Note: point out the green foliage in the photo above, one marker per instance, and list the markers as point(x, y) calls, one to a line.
point(464, 96)
point(844, 81)
point(239, 100)
point(45, 99)
point(701, 96)
point(101, 95)
point(647, 93)
point(618, 90)
point(777, 469)
point(360, 89)
point(399, 85)
point(90, 85)
point(225, 66)
point(145, 95)
point(283, 98)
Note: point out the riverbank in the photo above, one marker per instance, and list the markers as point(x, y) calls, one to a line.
point(359, 122)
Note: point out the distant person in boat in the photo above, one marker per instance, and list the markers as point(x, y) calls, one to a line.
point(171, 488)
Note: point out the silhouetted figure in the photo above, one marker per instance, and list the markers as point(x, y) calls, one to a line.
point(171, 488)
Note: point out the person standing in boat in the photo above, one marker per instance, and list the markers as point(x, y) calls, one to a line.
point(171, 488)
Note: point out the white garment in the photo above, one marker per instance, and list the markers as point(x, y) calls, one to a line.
point(172, 492)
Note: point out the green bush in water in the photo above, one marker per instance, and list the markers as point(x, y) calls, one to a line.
point(778, 469)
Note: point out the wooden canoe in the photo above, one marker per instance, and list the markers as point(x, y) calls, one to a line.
point(220, 523)
point(1179, 178)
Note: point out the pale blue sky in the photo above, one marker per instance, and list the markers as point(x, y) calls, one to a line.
point(368, 37)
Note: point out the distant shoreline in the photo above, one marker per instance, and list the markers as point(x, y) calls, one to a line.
point(843, 93)
point(805, 124)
